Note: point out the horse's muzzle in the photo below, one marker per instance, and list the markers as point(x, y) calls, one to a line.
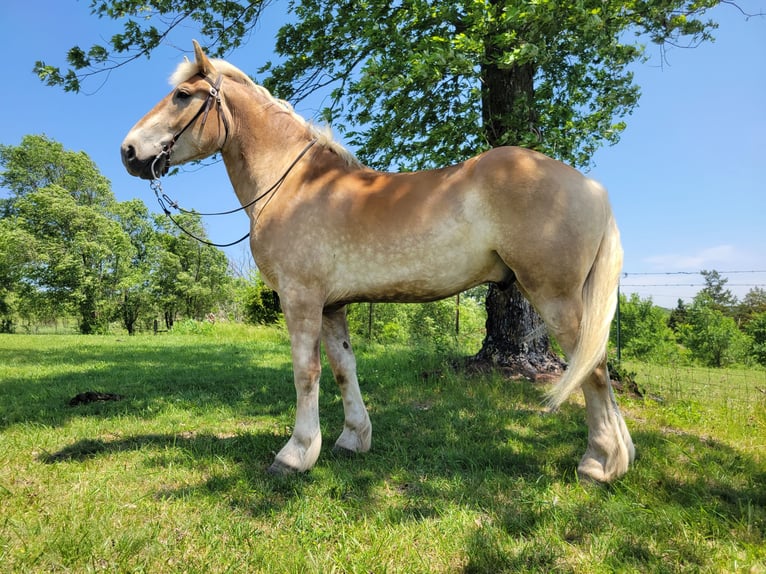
point(144, 168)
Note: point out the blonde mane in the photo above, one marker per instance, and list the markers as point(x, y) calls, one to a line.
point(323, 135)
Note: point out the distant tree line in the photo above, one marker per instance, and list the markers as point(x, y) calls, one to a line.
point(69, 249)
point(715, 329)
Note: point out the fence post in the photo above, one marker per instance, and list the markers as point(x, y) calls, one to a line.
point(619, 328)
point(457, 314)
point(369, 324)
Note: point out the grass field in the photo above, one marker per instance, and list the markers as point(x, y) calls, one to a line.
point(466, 474)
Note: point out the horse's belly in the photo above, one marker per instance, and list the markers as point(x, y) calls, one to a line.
point(413, 274)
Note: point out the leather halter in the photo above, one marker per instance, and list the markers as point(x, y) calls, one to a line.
point(165, 201)
point(213, 94)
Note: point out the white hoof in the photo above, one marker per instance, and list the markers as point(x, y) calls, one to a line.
point(605, 466)
point(355, 440)
point(295, 457)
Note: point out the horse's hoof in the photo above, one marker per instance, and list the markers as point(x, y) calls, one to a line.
point(587, 478)
point(278, 468)
point(343, 452)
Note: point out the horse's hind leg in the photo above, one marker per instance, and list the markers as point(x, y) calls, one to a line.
point(610, 448)
point(357, 430)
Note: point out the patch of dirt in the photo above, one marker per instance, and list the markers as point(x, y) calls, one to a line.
point(93, 397)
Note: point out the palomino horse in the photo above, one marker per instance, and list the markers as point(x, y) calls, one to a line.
point(327, 231)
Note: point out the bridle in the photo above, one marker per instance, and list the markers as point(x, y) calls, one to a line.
point(213, 94)
point(167, 149)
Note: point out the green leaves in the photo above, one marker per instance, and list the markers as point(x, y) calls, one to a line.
point(225, 24)
point(410, 82)
point(756, 329)
point(39, 162)
point(68, 247)
point(703, 332)
point(413, 82)
point(644, 331)
point(186, 277)
point(713, 337)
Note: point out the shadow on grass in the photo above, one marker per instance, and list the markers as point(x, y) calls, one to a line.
point(434, 442)
point(148, 374)
point(440, 441)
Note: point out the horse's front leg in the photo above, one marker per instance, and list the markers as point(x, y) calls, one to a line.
point(304, 323)
point(357, 430)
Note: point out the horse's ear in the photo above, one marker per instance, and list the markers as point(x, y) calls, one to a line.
point(204, 65)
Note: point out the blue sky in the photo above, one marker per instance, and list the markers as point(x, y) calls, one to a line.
point(686, 180)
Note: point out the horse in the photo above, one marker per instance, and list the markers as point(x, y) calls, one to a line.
point(326, 231)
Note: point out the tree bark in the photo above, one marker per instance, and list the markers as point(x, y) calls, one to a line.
point(516, 337)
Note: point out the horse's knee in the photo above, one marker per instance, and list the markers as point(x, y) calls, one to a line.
point(600, 377)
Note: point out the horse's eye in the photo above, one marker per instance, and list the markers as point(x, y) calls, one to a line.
point(182, 95)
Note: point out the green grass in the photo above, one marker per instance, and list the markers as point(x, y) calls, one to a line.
point(466, 474)
point(720, 404)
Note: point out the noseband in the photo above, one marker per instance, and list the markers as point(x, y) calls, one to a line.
point(213, 94)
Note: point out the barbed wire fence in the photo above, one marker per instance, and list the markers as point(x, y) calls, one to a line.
point(741, 391)
point(666, 293)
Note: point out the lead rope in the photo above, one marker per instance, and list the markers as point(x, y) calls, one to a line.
point(165, 201)
point(156, 186)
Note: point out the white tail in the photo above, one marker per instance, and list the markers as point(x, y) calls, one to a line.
point(599, 304)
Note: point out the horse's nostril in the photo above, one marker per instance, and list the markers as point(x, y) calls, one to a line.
point(129, 152)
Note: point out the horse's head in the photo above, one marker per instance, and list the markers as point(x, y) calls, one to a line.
point(178, 127)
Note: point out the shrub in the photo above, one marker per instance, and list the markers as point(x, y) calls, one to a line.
point(713, 338)
point(644, 332)
point(756, 329)
point(261, 304)
point(192, 327)
point(425, 324)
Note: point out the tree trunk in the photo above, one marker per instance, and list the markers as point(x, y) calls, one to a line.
point(88, 313)
point(516, 337)
point(129, 313)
